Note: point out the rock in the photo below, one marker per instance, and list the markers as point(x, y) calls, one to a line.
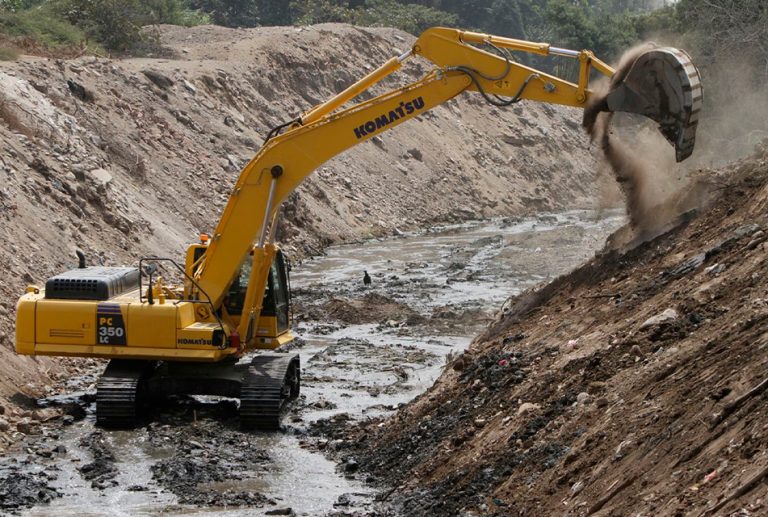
point(280, 511)
point(343, 500)
point(351, 465)
point(479, 422)
point(635, 350)
point(416, 154)
point(602, 402)
point(577, 487)
point(622, 449)
point(26, 426)
point(667, 316)
point(715, 269)
point(527, 407)
point(4, 425)
point(583, 397)
point(100, 177)
point(2, 407)
point(512, 339)
point(159, 80)
point(80, 91)
point(234, 162)
point(189, 86)
point(460, 363)
point(45, 414)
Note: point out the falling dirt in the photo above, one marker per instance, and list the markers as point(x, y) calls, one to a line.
point(635, 157)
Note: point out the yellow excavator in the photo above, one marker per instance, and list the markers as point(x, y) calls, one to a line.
point(232, 293)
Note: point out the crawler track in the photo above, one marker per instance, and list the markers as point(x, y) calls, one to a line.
point(120, 393)
point(270, 381)
point(265, 386)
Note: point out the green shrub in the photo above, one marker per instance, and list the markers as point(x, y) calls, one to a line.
point(411, 18)
point(229, 13)
point(311, 12)
point(42, 24)
point(192, 17)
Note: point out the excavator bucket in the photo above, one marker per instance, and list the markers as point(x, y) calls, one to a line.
point(664, 85)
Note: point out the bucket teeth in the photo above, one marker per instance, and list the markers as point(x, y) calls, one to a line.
point(663, 84)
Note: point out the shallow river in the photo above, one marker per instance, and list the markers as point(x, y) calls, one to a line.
point(448, 284)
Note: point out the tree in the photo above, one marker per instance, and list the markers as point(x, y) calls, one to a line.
point(18, 5)
point(411, 18)
point(274, 12)
point(117, 24)
point(508, 18)
point(230, 13)
point(729, 29)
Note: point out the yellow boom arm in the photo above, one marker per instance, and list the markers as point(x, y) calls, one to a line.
point(285, 160)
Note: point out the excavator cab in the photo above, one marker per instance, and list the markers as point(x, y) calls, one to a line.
point(274, 320)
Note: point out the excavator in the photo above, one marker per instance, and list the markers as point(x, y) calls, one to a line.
point(196, 335)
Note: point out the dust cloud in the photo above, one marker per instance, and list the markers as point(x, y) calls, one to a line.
point(639, 159)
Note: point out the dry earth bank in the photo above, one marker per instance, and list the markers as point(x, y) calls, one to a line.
point(634, 385)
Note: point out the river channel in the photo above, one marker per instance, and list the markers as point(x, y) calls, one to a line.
point(365, 350)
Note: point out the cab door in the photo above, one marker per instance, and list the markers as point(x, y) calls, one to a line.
point(280, 289)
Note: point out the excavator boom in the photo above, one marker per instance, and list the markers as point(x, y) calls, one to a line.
point(326, 130)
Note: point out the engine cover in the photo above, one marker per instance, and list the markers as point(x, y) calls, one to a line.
point(92, 283)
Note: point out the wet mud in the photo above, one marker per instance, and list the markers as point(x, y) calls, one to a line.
point(365, 351)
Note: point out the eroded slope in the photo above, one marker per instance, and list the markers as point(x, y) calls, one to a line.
point(635, 384)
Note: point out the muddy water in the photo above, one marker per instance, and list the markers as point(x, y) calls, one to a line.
point(364, 351)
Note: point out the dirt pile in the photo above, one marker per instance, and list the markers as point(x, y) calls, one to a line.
point(371, 308)
point(135, 157)
point(635, 384)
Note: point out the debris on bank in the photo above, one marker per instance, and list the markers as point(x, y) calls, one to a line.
point(634, 384)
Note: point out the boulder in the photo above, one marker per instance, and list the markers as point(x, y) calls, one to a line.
point(26, 426)
point(667, 316)
point(100, 177)
point(527, 407)
point(158, 79)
